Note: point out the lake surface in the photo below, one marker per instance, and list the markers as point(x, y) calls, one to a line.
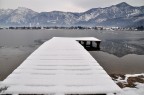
point(121, 51)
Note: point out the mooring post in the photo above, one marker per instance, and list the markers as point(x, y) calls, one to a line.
point(98, 45)
point(84, 43)
point(91, 44)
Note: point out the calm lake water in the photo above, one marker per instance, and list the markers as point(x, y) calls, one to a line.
point(121, 51)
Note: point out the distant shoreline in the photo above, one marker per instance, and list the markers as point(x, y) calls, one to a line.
point(139, 28)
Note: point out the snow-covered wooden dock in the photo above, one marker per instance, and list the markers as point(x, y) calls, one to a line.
point(60, 66)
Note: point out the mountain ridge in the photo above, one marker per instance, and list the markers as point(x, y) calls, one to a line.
point(120, 15)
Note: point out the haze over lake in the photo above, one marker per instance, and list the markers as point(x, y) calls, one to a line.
point(121, 51)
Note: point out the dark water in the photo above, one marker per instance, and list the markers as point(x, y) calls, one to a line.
point(121, 51)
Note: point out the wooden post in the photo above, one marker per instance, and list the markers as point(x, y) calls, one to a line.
point(91, 44)
point(84, 43)
point(81, 42)
point(98, 45)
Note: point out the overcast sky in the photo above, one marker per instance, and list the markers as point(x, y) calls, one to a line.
point(64, 5)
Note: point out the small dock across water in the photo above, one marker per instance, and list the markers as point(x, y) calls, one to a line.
point(61, 66)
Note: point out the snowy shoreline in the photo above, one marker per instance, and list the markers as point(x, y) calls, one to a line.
point(131, 84)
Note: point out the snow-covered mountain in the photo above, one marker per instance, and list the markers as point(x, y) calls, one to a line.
point(55, 18)
point(121, 15)
point(17, 17)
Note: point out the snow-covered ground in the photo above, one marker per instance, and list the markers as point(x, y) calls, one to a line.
point(131, 84)
point(138, 88)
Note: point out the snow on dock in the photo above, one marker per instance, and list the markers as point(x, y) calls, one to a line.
point(60, 66)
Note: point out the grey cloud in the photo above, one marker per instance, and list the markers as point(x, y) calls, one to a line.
point(86, 4)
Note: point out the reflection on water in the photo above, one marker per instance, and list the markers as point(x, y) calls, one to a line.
point(16, 45)
point(123, 47)
point(10, 58)
point(130, 63)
